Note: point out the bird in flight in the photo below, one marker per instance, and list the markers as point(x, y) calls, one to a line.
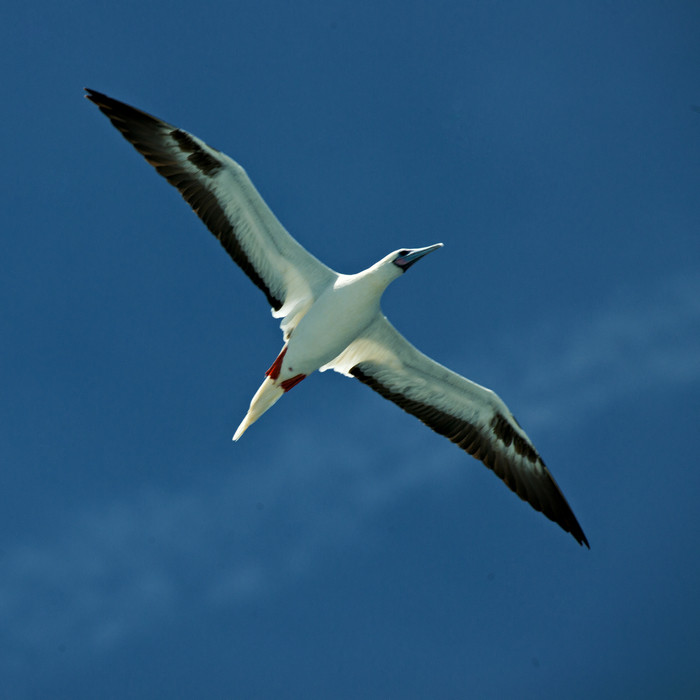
point(334, 321)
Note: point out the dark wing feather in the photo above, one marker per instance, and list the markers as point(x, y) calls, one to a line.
point(472, 417)
point(222, 195)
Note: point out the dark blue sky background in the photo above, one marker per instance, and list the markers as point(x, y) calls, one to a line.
point(341, 549)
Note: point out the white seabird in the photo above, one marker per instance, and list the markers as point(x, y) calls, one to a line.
point(334, 321)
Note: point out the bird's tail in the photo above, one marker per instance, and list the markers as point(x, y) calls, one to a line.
point(267, 395)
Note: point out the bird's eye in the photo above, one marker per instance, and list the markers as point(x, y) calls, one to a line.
point(403, 252)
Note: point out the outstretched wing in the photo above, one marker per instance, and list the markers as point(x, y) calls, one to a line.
point(469, 415)
point(224, 198)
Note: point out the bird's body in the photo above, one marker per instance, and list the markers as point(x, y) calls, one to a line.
point(336, 318)
point(345, 308)
point(334, 321)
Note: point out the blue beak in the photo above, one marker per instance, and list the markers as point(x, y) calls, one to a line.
point(405, 261)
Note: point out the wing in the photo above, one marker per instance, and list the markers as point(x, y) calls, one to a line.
point(224, 198)
point(468, 414)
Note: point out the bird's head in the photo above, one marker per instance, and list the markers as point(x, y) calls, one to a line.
point(392, 266)
point(404, 258)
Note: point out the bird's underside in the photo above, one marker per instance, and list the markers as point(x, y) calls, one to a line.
point(340, 314)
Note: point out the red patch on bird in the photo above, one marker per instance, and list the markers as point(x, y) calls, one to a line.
point(274, 371)
point(288, 384)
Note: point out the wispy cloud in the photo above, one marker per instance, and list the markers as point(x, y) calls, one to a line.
point(119, 568)
point(643, 339)
point(130, 564)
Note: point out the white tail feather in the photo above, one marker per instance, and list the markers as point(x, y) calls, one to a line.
point(265, 397)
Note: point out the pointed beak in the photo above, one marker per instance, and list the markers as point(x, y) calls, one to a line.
point(415, 255)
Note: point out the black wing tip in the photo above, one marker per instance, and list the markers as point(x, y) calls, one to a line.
point(580, 537)
point(100, 99)
point(562, 514)
point(567, 522)
point(574, 529)
point(104, 102)
point(123, 115)
point(551, 503)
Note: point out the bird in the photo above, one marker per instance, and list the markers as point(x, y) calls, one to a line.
point(334, 321)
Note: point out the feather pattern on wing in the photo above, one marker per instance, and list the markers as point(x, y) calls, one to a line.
point(469, 415)
point(220, 192)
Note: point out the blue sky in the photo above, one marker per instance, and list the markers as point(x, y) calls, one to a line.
point(341, 549)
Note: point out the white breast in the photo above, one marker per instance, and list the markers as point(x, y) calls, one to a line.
point(337, 317)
